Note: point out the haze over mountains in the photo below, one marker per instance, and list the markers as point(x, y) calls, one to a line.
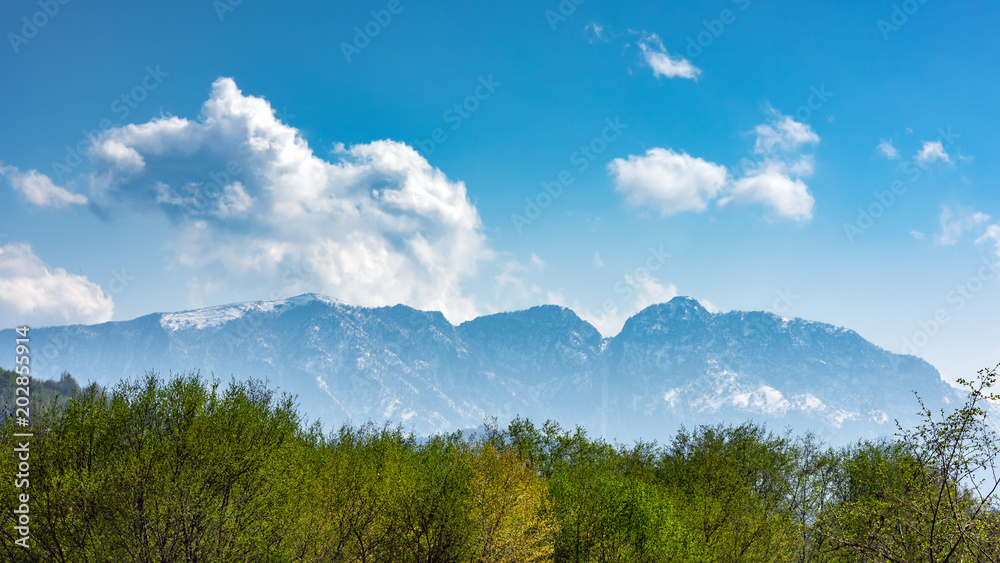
point(673, 363)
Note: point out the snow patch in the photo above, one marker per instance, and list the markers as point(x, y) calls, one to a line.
point(217, 316)
point(200, 319)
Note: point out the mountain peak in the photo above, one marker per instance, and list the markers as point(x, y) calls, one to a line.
point(685, 302)
point(678, 308)
point(541, 317)
point(306, 298)
point(210, 317)
point(672, 362)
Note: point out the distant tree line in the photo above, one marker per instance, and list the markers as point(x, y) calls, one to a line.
point(43, 392)
point(186, 469)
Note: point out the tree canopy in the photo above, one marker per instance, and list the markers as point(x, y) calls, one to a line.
point(185, 468)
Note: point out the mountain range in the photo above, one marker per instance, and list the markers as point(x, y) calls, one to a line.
point(673, 363)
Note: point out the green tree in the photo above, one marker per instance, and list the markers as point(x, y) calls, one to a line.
point(516, 522)
point(351, 488)
point(734, 485)
point(161, 471)
point(929, 496)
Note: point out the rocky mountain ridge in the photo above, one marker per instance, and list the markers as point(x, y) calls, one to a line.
point(673, 363)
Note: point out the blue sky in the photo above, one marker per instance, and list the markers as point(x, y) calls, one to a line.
point(827, 160)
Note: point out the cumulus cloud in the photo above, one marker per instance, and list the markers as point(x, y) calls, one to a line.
point(675, 182)
point(662, 63)
point(114, 154)
point(887, 150)
point(772, 186)
point(931, 152)
point(34, 293)
point(40, 190)
point(775, 176)
point(956, 222)
point(668, 180)
point(254, 208)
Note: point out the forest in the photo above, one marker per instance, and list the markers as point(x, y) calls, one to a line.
point(187, 468)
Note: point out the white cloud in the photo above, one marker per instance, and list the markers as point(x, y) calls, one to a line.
point(650, 291)
point(595, 31)
point(917, 235)
point(709, 306)
point(234, 202)
point(662, 63)
point(115, 154)
point(775, 179)
point(932, 151)
point(512, 282)
point(789, 197)
point(40, 190)
point(597, 260)
point(956, 222)
point(886, 149)
point(670, 181)
point(675, 182)
point(33, 293)
point(255, 209)
point(782, 135)
point(992, 234)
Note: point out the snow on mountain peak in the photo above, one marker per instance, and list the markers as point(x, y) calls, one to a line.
point(673, 362)
point(212, 317)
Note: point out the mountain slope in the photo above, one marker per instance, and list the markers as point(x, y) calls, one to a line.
point(672, 363)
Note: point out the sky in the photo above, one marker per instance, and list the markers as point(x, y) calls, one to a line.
point(828, 160)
